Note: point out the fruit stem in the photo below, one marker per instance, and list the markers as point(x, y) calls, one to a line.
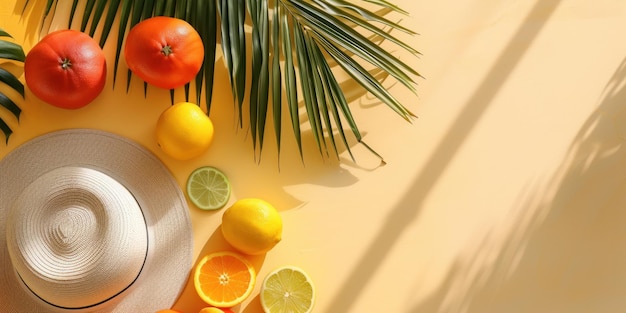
point(166, 50)
point(66, 63)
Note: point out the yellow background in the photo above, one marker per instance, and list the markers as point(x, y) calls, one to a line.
point(507, 194)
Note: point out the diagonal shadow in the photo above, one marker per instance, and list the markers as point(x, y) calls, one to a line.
point(569, 253)
point(408, 208)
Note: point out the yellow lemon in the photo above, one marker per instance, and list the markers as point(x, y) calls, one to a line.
point(252, 226)
point(184, 131)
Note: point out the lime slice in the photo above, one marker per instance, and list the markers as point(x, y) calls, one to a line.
point(208, 188)
point(287, 289)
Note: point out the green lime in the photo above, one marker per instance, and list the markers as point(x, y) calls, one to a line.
point(287, 289)
point(208, 188)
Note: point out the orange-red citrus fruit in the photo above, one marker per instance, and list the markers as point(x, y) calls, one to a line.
point(166, 52)
point(66, 69)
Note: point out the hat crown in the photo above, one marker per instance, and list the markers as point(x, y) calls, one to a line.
point(169, 259)
point(76, 237)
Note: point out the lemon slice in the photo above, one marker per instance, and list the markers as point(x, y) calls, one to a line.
point(208, 188)
point(287, 289)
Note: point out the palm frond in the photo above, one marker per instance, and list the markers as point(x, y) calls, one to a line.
point(291, 91)
point(276, 78)
point(388, 5)
point(297, 47)
point(124, 19)
point(10, 51)
point(206, 24)
point(232, 15)
point(259, 90)
point(325, 28)
point(308, 85)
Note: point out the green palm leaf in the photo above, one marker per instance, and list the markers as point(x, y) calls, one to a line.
point(297, 47)
point(291, 90)
point(10, 51)
point(321, 28)
point(276, 78)
point(232, 14)
point(206, 24)
point(259, 90)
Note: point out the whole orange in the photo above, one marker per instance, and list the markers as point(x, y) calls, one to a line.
point(166, 52)
point(66, 68)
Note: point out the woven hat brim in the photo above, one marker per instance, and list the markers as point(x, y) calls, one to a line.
point(170, 237)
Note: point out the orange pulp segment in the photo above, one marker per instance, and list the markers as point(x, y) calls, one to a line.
point(224, 279)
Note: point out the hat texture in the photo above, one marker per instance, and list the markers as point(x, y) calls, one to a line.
point(90, 222)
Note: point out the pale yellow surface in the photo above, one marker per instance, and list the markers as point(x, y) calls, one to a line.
point(508, 194)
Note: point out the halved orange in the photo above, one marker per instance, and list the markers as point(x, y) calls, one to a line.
point(224, 279)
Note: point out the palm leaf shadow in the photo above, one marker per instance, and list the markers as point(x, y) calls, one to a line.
point(570, 233)
point(407, 209)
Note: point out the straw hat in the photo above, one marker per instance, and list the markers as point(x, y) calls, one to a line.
point(90, 222)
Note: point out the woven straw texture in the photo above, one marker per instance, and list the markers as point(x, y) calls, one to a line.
point(90, 222)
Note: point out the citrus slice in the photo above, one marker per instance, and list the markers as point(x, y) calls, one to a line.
point(215, 310)
point(224, 279)
point(208, 188)
point(287, 289)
